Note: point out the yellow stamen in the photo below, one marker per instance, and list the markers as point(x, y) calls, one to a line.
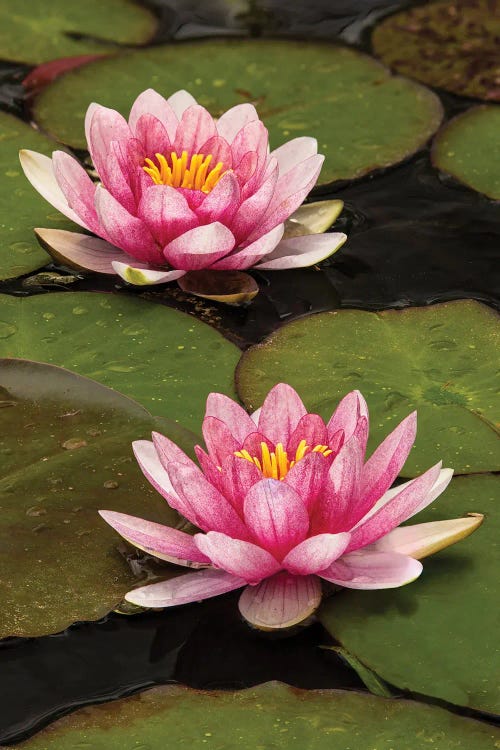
point(173, 170)
point(276, 464)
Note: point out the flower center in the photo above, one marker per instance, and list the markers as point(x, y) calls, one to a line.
point(173, 170)
point(276, 464)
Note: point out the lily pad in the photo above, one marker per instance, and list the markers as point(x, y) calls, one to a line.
point(448, 44)
point(363, 117)
point(166, 360)
point(66, 453)
point(438, 360)
point(270, 715)
point(22, 207)
point(439, 635)
point(468, 148)
point(32, 32)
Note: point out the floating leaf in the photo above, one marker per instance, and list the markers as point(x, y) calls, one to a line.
point(66, 452)
point(449, 44)
point(363, 117)
point(231, 287)
point(32, 32)
point(438, 360)
point(437, 636)
point(166, 360)
point(468, 148)
point(22, 207)
point(272, 715)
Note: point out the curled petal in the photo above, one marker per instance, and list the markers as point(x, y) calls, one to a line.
point(80, 251)
point(276, 516)
point(192, 587)
point(234, 119)
point(166, 213)
point(280, 413)
point(294, 152)
point(242, 559)
point(281, 601)
point(347, 414)
point(232, 414)
point(77, 187)
point(154, 471)
point(237, 476)
point(124, 230)
point(196, 126)
point(219, 439)
point(161, 541)
point(222, 202)
point(308, 476)
point(40, 172)
point(105, 126)
point(143, 276)
point(424, 539)
point(372, 570)
point(199, 247)
point(301, 252)
point(149, 102)
point(315, 553)
point(248, 256)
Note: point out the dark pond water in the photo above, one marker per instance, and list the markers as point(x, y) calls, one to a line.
point(414, 239)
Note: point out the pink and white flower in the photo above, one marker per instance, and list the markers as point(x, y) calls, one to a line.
point(180, 191)
point(282, 501)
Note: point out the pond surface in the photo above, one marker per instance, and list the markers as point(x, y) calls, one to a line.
point(416, 237)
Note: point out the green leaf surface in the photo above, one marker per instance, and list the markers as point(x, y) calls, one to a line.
point(66, 452)
point(363, 117)
point(21, 207)
point(468, 148)
point(451, 45)
point(166, 360)
point(272, 715)
point(439, 360)
point(439, 635)
point(33, 31)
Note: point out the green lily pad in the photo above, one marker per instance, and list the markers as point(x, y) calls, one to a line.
point(437, 636)
point(468, 148)
point(22, 207)
point(438, 360)
point(451, 45)
point(272, 715)
point(33, 32)
point(166, 360)
point(363, 117)
point(65, 447)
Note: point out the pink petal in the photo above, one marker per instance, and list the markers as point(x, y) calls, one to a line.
point(339, 497)
point(245, 168)
point(281, 601)
point(199, 247)
point(240, 259)
point(424, 539)
point(81, 250)
point(222, 202)
point(253, 443)
point(291, 189)
point(208, 467)
point(91, 109)
point(180, 101)
point(254, 138)
point(124, 230)
point(347, 414)
point(294, 152)
point(281, 413)
point(308, 476)
point(141, 275)
point(234, 119)
point(208, 508)
point(372, 570)
point(77, 187)
point(232, 414)
point(219, 439)
point(154, 471)
point(40, 172)
point(149, 102)
point(388, 459)
point(276, 516)
point(414, 496)
point(220, 150)
point(192, 587)
point(153, 137)
point(237, 476)
point(162, 541)
point(168, 451)
point(242, 559)
point(310, 428)
point(115, 175)
point(104, 126)
point(252, 209)
point(196, 126)
point(301, 252)
point(166, 213)
point(315, 553)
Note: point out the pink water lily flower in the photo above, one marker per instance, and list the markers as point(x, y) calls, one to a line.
point(180, 191)
point(284, 500)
